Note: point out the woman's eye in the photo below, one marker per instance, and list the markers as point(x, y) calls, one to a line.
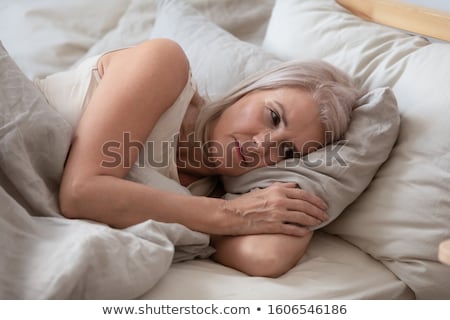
point(275, 118)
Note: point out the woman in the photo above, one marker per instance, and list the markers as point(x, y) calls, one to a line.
point(138, 93)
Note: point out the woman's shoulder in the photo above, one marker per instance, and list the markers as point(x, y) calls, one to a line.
point(151, 76)
point(161, 52)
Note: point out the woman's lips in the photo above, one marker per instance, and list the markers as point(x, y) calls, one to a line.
point(239, 151)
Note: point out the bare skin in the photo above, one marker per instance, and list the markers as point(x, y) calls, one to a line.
point(123, 103)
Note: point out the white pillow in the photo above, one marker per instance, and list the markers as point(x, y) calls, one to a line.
point(311, 29)
point(341, 171)
point(132, 28)
point(48, 36)
point(242, 19)
point(405, 213)
point(245, 20)
point(218, 59)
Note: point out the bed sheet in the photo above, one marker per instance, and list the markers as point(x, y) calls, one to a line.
point(331, 269)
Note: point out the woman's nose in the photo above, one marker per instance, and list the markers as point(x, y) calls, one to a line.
point(263, 142)
point(265, 149)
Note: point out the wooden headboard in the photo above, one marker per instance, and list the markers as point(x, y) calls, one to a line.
point(399, 14)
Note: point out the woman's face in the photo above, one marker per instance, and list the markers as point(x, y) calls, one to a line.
point(263, 128)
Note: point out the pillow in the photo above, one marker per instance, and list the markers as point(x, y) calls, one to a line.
point(218, 59)
point(243, 19)
point(341, 171)
point(323, 29)
point(131, 29)
point(405, 212)
point(58, 32)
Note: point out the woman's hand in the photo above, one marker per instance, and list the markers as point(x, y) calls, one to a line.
point(280, 208)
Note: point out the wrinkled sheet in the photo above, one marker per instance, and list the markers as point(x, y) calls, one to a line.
point(46, 256)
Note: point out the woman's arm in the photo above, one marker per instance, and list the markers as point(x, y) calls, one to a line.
point(262, 255)
point(137, 86)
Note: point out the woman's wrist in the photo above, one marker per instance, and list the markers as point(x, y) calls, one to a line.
point(221, 221)
point(204, 214)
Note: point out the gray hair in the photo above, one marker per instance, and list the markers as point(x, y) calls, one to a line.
point(332, 89)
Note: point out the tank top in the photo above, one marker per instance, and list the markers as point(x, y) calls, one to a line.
point(69, 92)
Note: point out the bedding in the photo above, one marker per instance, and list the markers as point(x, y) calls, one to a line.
point(49, 36)
point(382, 246)
point(248, 21)
point(42, 254)
point(405, 213)
point(340, 185)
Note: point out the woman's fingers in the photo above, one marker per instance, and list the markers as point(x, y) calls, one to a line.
point(293, 230)
point(299, 218)
point(303, 202)
point(280, 208)
point(307, 208)
point(297, 193)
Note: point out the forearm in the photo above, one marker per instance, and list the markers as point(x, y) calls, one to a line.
point(121, 203)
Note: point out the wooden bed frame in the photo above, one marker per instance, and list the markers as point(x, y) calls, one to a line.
point(399, 14)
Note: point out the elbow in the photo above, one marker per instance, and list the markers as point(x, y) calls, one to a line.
point(71, 197)
point(268, 255)
point(269, 265)
point(258, 255)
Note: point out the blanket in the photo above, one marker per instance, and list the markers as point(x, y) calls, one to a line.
point(46, 256)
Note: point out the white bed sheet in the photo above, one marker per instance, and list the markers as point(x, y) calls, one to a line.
point(331, 269)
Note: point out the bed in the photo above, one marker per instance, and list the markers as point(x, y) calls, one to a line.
point(390, 203)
